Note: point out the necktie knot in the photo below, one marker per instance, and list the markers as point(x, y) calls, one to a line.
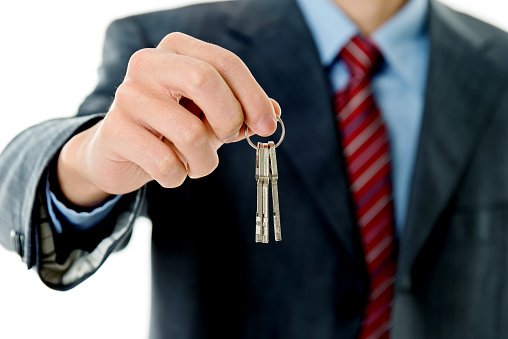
point(361, 56)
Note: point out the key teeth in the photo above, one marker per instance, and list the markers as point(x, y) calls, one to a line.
point(265, 230)
point(276, 227)
point(258, 229)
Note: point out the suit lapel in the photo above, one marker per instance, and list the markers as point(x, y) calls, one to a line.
point(296, 79)
point(461, 94)
point(461, 87)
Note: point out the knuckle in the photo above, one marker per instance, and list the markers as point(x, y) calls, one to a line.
point(227, 60)
point(230, 126)
point(206, 168)
point(125, 91)
point(213, 163)
point(172, 38)
point(193, 135)
point(169, 172)
point(257, 100)
point(140, 59)
point(178, 179)
point(164, 166)
point(202, 76)
point(235, 122)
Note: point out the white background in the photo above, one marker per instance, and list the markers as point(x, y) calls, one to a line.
point(50, 51)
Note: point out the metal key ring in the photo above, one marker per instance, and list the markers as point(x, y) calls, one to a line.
point(281, 136)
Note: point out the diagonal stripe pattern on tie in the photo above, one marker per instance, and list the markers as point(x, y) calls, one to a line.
point(366, 151)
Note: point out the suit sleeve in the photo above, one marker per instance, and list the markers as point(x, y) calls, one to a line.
point(64, 261)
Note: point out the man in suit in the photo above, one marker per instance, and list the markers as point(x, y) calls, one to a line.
point(442, 88)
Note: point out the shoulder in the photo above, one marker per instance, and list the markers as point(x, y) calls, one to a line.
point(495, 43)
point(490, 41)
point(200, 20)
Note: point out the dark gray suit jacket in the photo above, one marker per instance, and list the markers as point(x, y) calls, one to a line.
point(210, 280)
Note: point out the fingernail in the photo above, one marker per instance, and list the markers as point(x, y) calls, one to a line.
point(276, 107)
point(232, 138)
point(266, 125)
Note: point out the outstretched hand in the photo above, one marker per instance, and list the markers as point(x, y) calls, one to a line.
point(178, 104)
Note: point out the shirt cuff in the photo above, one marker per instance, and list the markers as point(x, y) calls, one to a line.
point(81, 221)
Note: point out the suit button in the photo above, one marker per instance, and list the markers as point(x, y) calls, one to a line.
point(350, 305)
point(17, 242)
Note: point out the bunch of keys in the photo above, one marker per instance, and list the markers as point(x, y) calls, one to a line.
point(266, 172)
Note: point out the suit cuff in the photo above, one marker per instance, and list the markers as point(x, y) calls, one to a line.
point(61, 215)
point(62, 262)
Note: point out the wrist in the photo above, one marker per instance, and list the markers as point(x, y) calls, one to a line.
point(74, 180)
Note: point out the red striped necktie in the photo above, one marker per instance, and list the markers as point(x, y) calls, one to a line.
point(367, 156)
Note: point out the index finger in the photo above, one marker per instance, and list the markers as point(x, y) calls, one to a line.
point(259, 113)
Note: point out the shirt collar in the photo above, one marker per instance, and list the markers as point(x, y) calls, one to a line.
point(396, 38)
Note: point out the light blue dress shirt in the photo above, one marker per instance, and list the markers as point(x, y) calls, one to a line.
point(399, 90)
point(60, 213)
point(399, 87)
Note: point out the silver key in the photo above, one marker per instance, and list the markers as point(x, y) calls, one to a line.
point(265, 174)
point(266, 169)
point(259, 199)
point(274, 176)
